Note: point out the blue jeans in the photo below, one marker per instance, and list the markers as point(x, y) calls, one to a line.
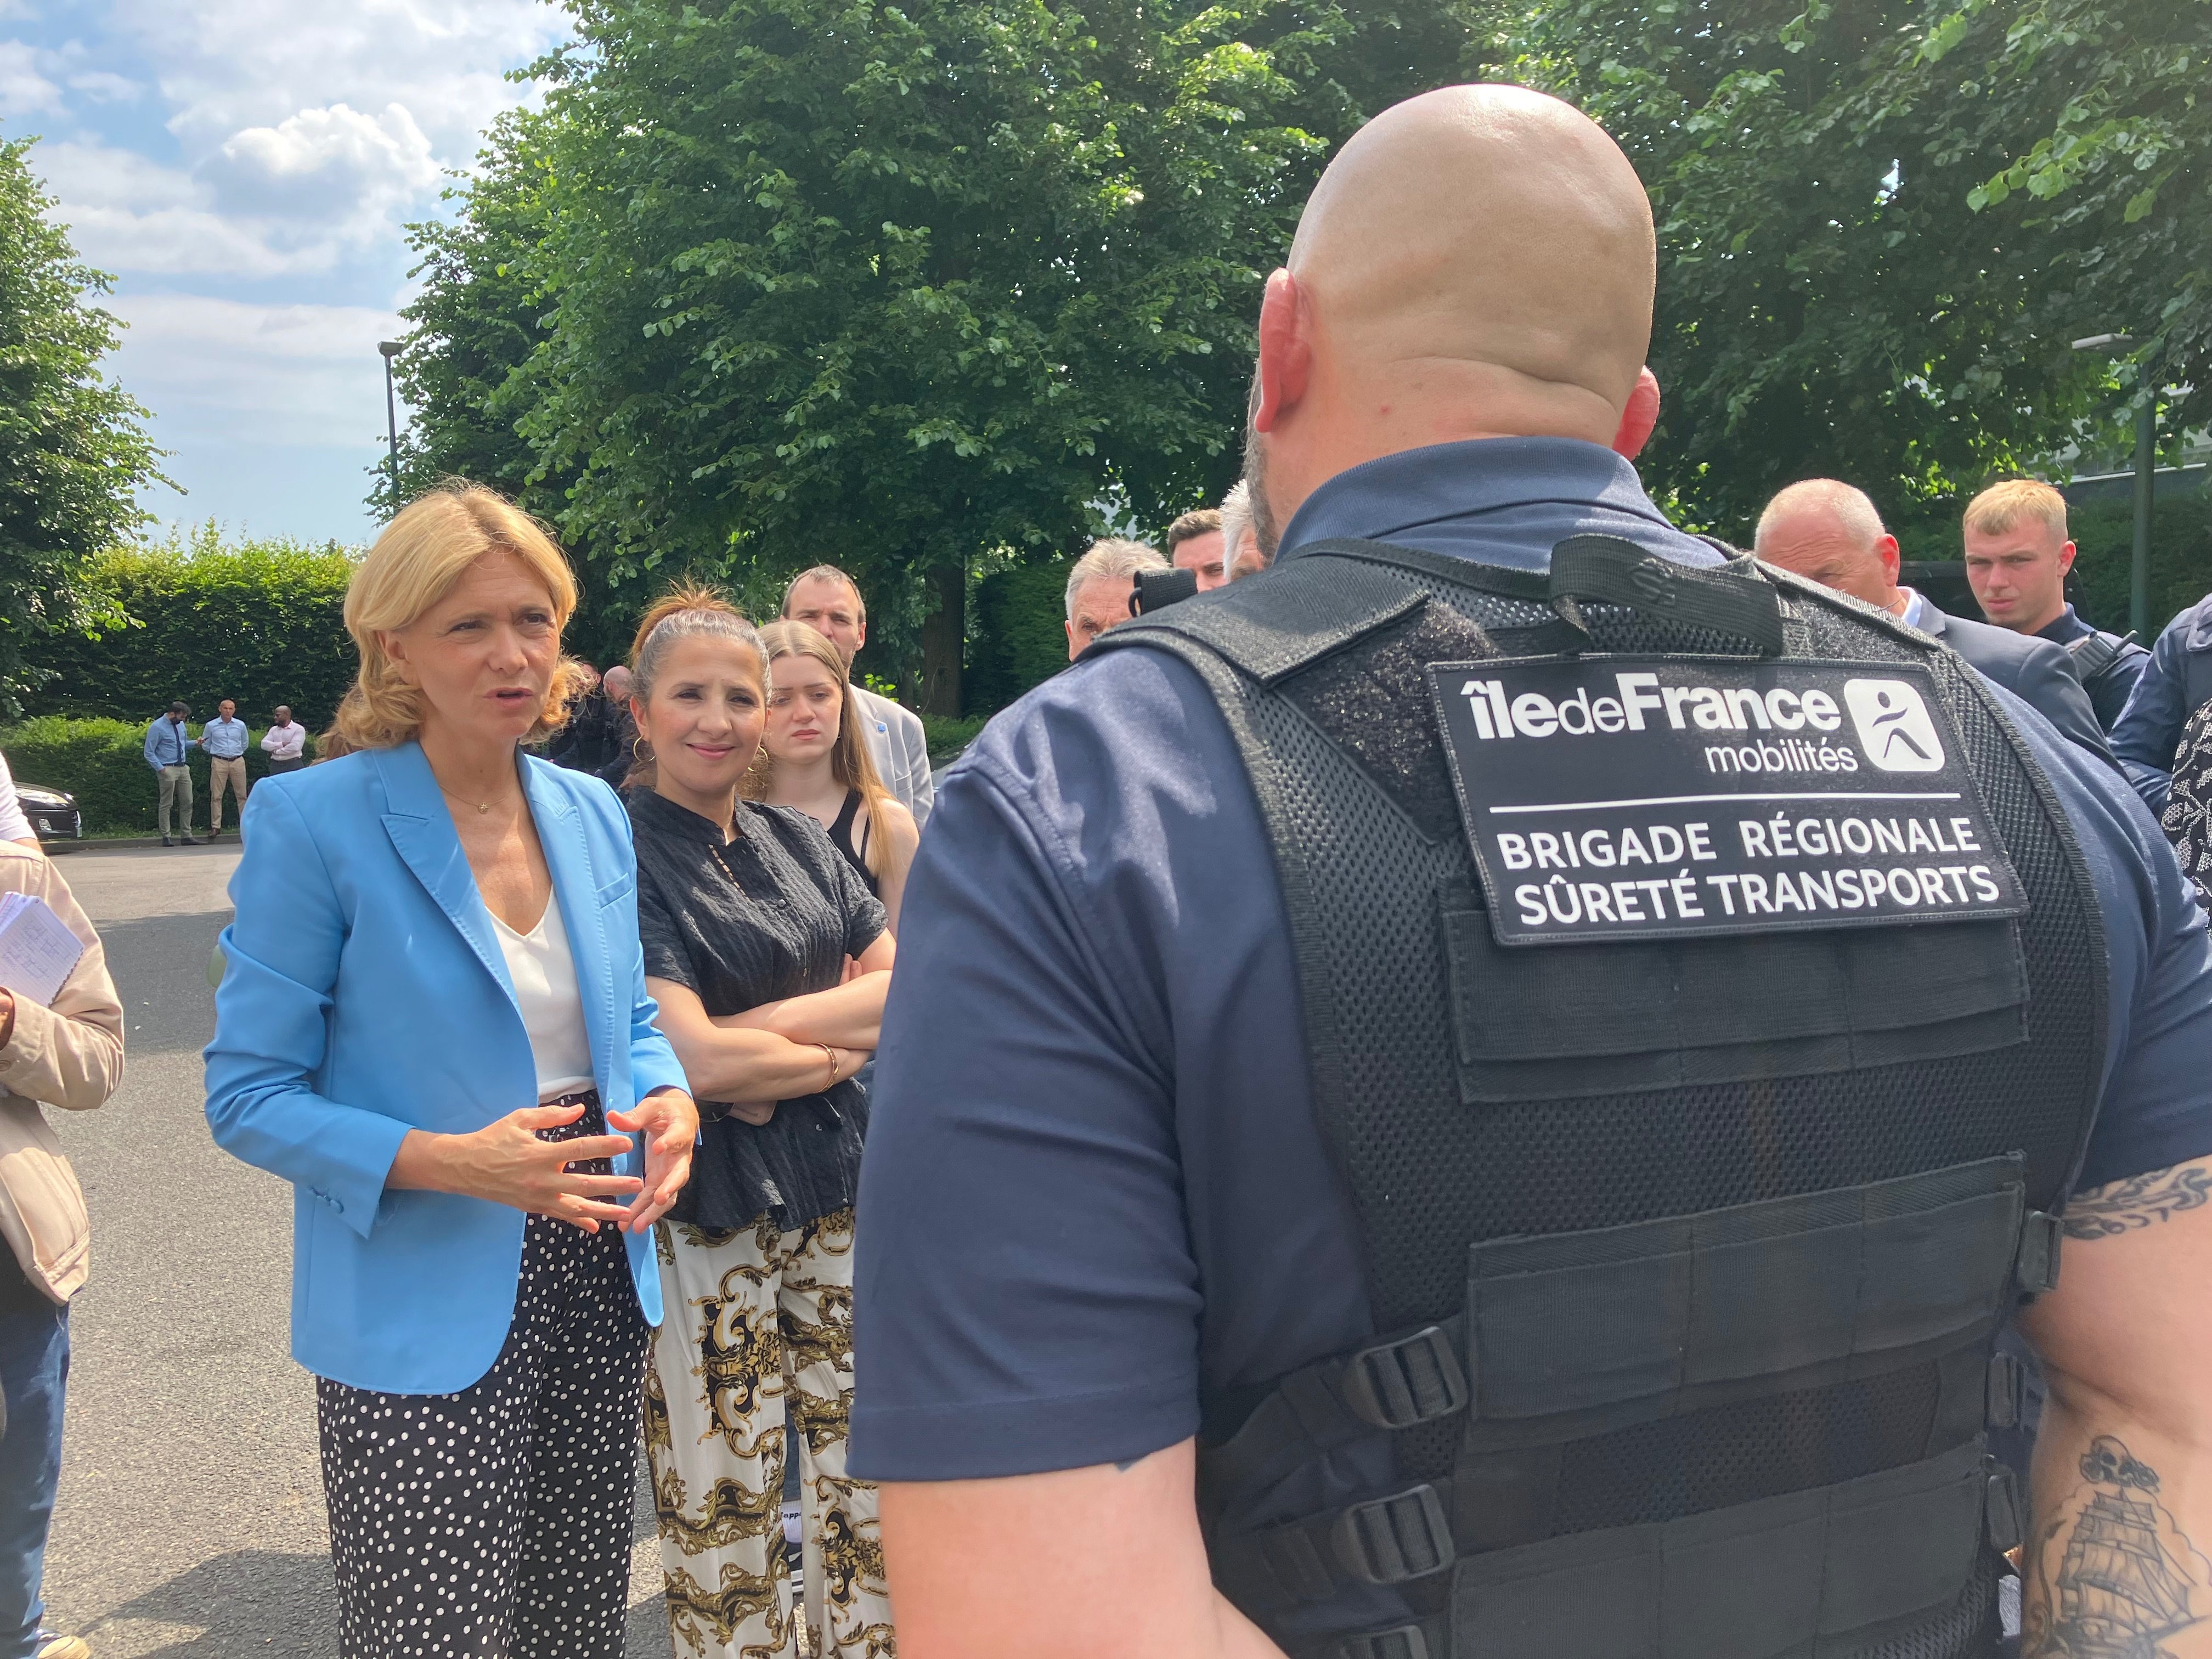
point(33, 1373)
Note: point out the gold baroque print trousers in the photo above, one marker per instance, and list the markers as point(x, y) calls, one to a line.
point(754, 1357)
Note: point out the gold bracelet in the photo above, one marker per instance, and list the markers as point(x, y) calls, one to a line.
point(830, 1054)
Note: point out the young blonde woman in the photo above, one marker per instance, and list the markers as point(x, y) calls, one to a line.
point(814, 757)
point(432, 1021)
point(769, 959)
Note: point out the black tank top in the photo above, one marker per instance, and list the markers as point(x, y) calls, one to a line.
point(841, 836)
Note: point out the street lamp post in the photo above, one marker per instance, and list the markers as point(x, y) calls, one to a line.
point(390, 349)
point(2116, 345)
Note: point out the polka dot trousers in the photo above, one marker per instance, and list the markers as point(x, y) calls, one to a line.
point(495, 1523)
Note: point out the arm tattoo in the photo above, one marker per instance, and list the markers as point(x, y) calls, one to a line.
point(2126, 1206)
point(2112, 1574)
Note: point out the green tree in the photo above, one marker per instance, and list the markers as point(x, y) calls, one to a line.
point(476, 321)
point(1843, 288)
point(73, 454)
point(898, 287)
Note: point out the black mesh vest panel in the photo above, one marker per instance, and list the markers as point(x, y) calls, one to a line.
point(1636, 1411)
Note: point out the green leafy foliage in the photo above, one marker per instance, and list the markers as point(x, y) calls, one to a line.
point(1883, 221)
point(770, 282)
point(261, 621)
point(72, 450)
point(1020, 641)
point(103, 763)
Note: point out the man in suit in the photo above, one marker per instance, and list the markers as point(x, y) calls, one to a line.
point(829, 601)
point(1830, 533)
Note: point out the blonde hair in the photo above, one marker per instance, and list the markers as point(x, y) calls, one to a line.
point(1111, 559)
point(689, 610)
point(2002, 506)
point(850, 763)
point(422, 555)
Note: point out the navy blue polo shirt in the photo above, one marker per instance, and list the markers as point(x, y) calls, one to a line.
point(1094, 1124)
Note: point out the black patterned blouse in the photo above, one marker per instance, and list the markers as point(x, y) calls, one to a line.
point(2188, 817)
point(772, 913)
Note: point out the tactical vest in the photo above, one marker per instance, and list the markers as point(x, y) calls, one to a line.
point(1691, 1254)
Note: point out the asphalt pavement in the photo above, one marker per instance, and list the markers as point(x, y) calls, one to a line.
point(191, 1517)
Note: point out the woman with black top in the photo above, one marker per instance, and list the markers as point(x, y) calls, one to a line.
point(769, 959)
point(815, 759)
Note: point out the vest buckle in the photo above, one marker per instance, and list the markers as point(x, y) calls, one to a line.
point(1390, 1539)
point(1399, 1641)
point(2006, 1406)
point(2001, 1509)
point(1414, 1379)
point(2037, 1265)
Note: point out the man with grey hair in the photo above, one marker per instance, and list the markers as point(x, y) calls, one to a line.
point(1099, 586)
point(1240, 537)
point(1827, 531)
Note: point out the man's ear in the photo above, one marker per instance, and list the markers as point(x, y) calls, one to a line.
point(1640, 418)
point(1286, 350)
point(1886, 548)
point(2065, 558)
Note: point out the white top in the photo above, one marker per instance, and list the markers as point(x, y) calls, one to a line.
point(285, 741)
point(13, 826)
point(544, 976)
point(1915, 614)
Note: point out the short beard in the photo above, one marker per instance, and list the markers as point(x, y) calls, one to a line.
point(1265, 529)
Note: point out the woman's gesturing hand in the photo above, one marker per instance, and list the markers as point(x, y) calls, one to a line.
point(669, 1121)
point(507, 1163)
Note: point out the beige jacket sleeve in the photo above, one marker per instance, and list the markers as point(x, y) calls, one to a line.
point(69, 1055)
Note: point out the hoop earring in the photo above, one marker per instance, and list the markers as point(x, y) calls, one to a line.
point(639, 751)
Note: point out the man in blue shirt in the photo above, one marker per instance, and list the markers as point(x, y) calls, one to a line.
point(168, 750)
point(2175, 684)
point(2017, 557)
point(1096, 1188)
point(222, 740)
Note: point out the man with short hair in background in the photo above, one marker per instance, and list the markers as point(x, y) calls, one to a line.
point(1239, 535)
point(1099, 586)
point(1194, 545)
point(168, 750)
point(2017, 557)
point(222, 740)
point(622, 727)
point(1829, 532)
point(829, 601)
point(285, 743)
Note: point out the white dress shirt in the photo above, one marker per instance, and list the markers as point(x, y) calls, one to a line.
point(285, 741)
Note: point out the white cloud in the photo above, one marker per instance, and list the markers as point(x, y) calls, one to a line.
point(242, 64)
point(293, 198)
point(23, 89)
point(106, 87)
point(236, 373)
point(324, 163)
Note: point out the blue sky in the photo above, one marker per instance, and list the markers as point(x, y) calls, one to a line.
point(244, 168)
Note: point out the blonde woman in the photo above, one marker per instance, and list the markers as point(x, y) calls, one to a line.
point(432, 1021)
point(750, 919)
point(814, 756)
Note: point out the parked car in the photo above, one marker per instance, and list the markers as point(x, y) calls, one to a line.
point(53, 812)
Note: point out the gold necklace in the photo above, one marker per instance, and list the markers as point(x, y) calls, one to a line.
point(481, 806)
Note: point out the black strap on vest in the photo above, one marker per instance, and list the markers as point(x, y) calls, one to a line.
point(1730, 600)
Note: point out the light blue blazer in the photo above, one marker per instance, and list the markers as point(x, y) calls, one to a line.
point(364, 994)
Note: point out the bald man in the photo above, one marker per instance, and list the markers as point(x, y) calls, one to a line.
point(1829, 532)
point(1353, 1247)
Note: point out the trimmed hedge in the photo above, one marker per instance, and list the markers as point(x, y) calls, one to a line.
point(103, 763)
point(260, 622)
point(1020, 635)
